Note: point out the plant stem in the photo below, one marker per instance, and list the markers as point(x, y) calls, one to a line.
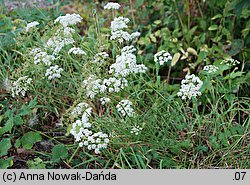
point(188, 12)
point(178, 14)
point(132, 11)
point(73, 155)
point(168, 76)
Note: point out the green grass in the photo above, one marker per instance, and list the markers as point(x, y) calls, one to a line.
point(210, 131)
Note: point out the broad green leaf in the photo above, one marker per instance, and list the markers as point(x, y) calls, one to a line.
point(59, 152)
point(213, 27)
point(202, 55)
point(5, 145)
point(175, 59)
point(7, 127)
point(5, 163)
point(25, 110)
point(29, 139)
point(18, 120)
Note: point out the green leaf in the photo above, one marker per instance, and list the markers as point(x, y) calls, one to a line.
point(236, 47)
point(213, 142)
point(18, 143)
point(216, 17)
point(213, 27)
point(59, 152)
point(192, 51)
point(1, 118)
point(7, 127)
point(5, 163)
point(202, 55)
point(32, 103)
point(18, 120)
point(25, 110)
point(5, 145)
point(157, 22)
point(29, 139)
point(138, 3)
point(175, 59)
point(233, 75)
point(37, 163)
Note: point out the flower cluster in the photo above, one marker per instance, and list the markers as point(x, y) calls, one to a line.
point(190, 87)
point(104, 100)
point(117, 32)
point(162, 57)
point(20, 86)
point(135, 130)
point(62, 37)
point(31, 25)
point(76, 51)
point(230, 62)
point(115, 84)
point(53, 72)
point(40, 56)
point(56, 43)
point(81, 109)
point(126, 63)
point(100, 57)
point(210, 68)
point(69, 20)
point(95, 86)
point(111, 5)
point(119, 23)
point(81, 129)
point(125, 108)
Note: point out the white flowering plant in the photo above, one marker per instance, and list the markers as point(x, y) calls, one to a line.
point(93, 89)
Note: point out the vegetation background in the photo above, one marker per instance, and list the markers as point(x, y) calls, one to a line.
point(211, 131)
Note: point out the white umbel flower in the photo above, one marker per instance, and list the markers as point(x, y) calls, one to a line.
point(80, 108)
point(111, 5)
point(135, 130)
point(210, 68)
point(120, 36)
point(20, 86)
point(53, 72)
point(119, 23)
point(69, 20)
point(31, 25)
point(43, 57)
point(77, 51)
point(135, 35)
point(162, 57)
point(125, 108)
point(230, 62)
point(126, 63)
point(104, 100)
point(113, 84)
point(190, 87)
point(93, 86)
point(56, 43)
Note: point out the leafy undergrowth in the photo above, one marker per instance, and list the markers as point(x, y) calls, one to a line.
point(169, 92)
